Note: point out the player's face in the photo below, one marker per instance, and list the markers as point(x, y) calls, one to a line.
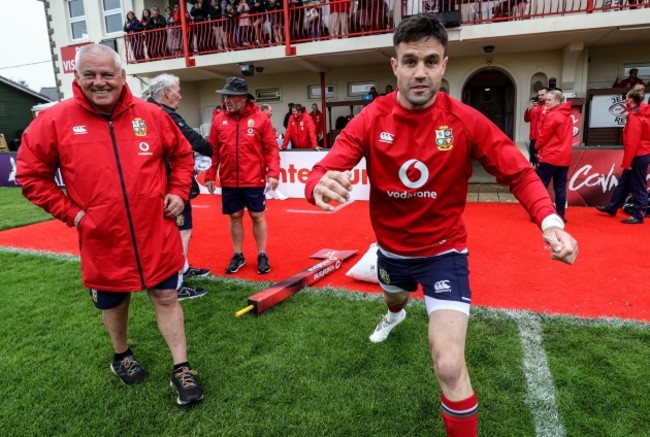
point(101, 81)
point(551, 101)
point(419, 67)
point(234, 104)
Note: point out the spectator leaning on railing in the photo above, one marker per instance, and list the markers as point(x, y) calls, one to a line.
point(632, 80)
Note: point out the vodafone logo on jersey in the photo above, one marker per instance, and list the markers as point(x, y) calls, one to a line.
point(406, 177)
point(418, 165)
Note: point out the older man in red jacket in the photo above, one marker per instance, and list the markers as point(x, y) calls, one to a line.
point(111, 148)
point(245, 154)
point(553, 147)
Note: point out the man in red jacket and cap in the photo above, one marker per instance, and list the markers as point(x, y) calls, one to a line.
point(111, 148)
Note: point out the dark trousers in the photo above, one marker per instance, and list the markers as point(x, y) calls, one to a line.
point(633, 181)
point(546, 172)
point(532, 153)
point(620, 192)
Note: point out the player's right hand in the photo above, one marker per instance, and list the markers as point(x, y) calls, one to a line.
point(333, 186)
point(211, 186)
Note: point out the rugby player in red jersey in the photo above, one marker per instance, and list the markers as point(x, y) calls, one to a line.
point(419, 145)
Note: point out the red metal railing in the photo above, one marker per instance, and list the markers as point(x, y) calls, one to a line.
point(315, 21)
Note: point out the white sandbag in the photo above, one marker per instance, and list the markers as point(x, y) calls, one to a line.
point(366, 268)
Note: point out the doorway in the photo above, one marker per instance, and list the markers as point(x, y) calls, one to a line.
point(492, 92)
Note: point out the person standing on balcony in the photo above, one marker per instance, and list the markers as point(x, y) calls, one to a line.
point(133, 27)
point(112, 149)
point(158, 36)
point(339, 16)
point(200, 34)
point(276, 18)
point(145, 20)
point(174, 32)
point(245, 154)
point(533, 116)
point(419, 145)
point(553, 146)
point(215, 15)
point(631, 81)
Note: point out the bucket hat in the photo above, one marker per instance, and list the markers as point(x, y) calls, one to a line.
point(236, 86)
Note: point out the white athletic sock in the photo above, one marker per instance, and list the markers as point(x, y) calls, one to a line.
point(186, 267)
point(391, 316)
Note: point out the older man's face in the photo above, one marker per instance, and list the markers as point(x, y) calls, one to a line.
point(101, 80)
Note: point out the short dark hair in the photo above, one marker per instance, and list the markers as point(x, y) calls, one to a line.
point(421, 26)
point(634, 70)
point(298, 107)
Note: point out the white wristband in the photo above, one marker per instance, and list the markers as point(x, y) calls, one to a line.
point(551, 221)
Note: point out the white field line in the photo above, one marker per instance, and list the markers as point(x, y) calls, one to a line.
point(311, 211)
point(540, 395)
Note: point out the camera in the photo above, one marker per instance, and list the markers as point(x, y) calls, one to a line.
point(534, 99)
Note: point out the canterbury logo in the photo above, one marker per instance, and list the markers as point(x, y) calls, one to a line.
point(79, 130)
point(385, 137)
point(442, 286)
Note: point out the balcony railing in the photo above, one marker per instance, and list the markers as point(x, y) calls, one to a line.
point(334, 19)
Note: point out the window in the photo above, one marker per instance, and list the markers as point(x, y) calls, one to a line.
point(77, 16)
point(644, 71)
point(313, 92)
point(268, 95)
point(357, 89)
point(112, 10)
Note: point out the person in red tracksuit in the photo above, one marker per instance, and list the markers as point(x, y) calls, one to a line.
point(301, 131)
point(553, 147)
point(112, 149)
point(636, 158)
point(319, 123)
point(419, 145)
point(245, 154)
point(533, 115)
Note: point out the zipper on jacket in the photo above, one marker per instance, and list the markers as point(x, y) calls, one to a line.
point(237, 149)
point(126, 204)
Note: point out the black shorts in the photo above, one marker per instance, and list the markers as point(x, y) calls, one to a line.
point(105, 300)
point(236, 199)
point(187, 217)
point(444, 279)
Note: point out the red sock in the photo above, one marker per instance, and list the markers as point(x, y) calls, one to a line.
point(397, 308)
point(460, 417)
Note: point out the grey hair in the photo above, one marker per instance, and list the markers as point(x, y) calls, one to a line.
point(264, 106)
point(160, 83)
point(99, 49)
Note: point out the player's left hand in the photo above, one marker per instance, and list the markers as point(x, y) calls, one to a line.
point(562, 245)
point(174, 205)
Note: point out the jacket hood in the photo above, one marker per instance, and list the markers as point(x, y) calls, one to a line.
point(563, 108)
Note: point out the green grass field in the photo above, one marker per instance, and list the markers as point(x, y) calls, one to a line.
point(303, 368)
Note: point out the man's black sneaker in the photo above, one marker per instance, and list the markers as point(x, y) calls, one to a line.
point(237, 262)
point(186, 385)
point(193, 272)
point(263, 263)
point(129, 370)
point(187, 292)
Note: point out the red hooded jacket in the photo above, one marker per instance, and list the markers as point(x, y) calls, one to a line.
point(636, 135)
point(301, 132)
point(244, 148)
point(555, 137)
point(114, 170)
